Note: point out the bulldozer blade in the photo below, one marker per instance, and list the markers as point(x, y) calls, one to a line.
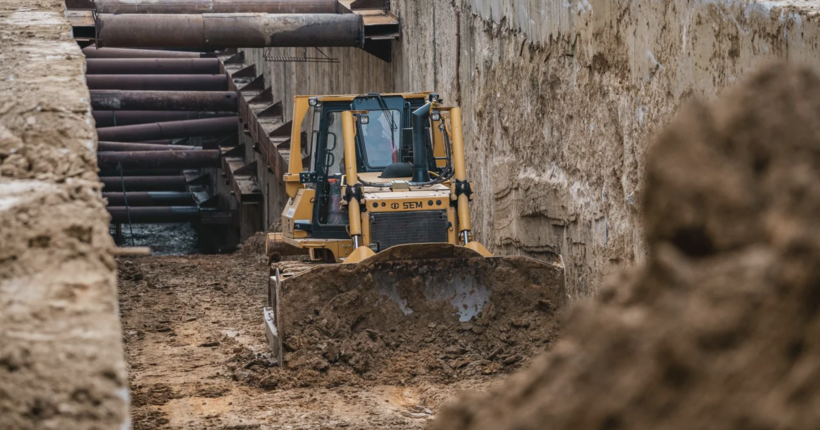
point(427, 281)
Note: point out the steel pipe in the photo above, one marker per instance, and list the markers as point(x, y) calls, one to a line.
point(169, 130)
point(137, 172)
point(105, 118)
point(158, 82)
point(230, 30)
point(130, 146)
point(144, 183)
point(217, 6)
point(94, 52)
point(224, 101)
point(197, 159)
point(153, 214)
point(149, 198)
point(152, 66)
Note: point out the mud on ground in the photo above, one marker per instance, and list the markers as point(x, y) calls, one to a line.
point(198, 357)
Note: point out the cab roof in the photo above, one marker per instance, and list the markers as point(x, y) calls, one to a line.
point(351, 97)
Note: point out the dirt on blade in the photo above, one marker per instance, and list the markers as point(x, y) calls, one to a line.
point(395, 321)
point(720, 329)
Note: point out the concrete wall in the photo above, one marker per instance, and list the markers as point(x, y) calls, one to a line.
point(561, 100)
point(357, 72)
point(61, 358)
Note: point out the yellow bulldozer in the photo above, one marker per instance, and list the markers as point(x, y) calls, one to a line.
point(379, 201)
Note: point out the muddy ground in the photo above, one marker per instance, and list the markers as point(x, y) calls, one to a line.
point(198, 358)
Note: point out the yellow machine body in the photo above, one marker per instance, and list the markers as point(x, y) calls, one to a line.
point(403, 196)
point(378, 182)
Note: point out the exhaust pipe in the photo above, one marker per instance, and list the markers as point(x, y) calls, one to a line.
point(421, 173)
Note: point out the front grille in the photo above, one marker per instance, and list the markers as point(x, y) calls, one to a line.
point(398, 228)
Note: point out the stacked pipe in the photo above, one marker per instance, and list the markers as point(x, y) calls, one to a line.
point(148, 104)
point(146, 99)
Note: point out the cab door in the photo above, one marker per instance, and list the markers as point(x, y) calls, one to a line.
point(329, 219)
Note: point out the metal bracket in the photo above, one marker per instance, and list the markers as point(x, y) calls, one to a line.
point(323, 58)
point(308, 177)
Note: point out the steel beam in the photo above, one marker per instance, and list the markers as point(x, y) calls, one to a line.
point(196, 159)
point(107, 118)
point(223, 101)
point(130, 146)
point(158, 82)
point(169, 130)
point(149, 198)
point(230, 30)
point(153, 214)
point(152, 66)
point(94, 52)
point(144, 183)
point(217, 6)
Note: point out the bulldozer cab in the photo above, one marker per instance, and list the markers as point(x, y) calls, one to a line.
point(383, 143)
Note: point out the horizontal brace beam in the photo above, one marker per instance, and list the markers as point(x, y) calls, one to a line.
point(209, 31)
point(169, 130)
point(158, 82)
point(159, 159)
point(114, 100)
point(152, 66)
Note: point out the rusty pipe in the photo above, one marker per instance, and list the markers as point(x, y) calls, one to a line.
point(94, 52)
point(110, 118)
point(130, 146)
point(146, 172)
point(158, 82)
point(197, 159)
point(217, 6)
point(144, 183)
point(169, 130)
point(149, 198)
point(153, 214)
point(152, 66)
point(230, 30)
point(225, 101)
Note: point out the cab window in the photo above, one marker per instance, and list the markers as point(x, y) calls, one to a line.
point(382, 139)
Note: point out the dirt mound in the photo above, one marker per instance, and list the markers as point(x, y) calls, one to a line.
point(254, 245)
point(387, 323)
point(720, 329)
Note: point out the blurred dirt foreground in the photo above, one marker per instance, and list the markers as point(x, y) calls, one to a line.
point(720, 329)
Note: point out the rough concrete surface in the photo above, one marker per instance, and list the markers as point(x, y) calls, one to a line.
point(720, 328)
point(61, 360)
point(562, 98)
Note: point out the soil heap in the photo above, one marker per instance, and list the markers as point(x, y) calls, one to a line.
point(720, 329)
point(337, 321)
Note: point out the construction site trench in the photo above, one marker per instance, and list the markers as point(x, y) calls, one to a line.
point(644, 172)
